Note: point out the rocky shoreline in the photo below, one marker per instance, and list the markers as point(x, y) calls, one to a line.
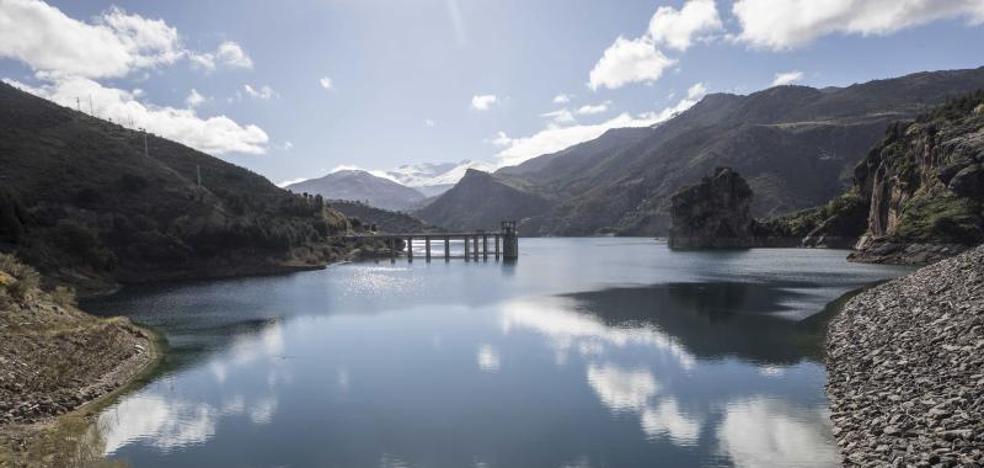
point(56, 360)
point(906, 369)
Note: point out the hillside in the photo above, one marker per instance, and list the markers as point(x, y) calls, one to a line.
point(917, 196)
point(360, 214)
point(55, 358)
point(82, 202)
point(480, 201)
point(357, 185)
point(796, 145)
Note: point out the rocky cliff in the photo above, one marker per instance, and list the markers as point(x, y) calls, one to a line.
point(917, 197)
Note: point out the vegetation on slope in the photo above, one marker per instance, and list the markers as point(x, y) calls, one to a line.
point(83, 202)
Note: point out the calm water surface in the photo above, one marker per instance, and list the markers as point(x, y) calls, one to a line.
point(586, 352)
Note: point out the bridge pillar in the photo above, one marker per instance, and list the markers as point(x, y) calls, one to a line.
point(427, 247)
point(496, 246)
point(475, 250)
point(410, 248)
point(510, 240)
point(391, 243)
point(447, 248)
point(466, 247)
point(485, 246)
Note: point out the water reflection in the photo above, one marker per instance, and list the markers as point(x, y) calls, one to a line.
point(595, 352)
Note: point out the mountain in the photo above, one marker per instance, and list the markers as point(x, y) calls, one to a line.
point(358, 185)
point(384, 220)
point(490, 198)
point(917, 196)
point(433, 179)
point(797, 147)
point(82, 201)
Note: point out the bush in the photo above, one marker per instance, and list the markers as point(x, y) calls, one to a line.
point(27, 279)
point(64, 296)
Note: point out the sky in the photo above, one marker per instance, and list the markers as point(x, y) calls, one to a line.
point(293, 89)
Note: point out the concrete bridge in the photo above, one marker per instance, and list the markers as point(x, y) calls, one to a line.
point(476, 244)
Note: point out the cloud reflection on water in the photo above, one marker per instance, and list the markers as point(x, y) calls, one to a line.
point(625, 359)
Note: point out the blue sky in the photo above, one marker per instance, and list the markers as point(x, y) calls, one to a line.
point(412, 80)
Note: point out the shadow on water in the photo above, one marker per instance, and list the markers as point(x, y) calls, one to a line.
point(714, 320)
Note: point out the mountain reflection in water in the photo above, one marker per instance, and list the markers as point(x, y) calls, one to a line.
point(588, 352)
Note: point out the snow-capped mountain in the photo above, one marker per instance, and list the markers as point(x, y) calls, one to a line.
point(435, 178)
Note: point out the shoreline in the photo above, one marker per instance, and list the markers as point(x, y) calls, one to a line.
point(42, 440)
point(905, 368)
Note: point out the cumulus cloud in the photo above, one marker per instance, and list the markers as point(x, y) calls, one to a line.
point(640, 59)
point(593, 109)
point(628, 61)
point(483, 102)
point(561, 99)
point(263, 92)
point(227, 53)
point(326, 83)
point(429, 123)
point(215, 135)
point(677, 29)
point(194, 98)
point(555, 138)
point(787, 24)
point(787, 78)
point(113, 45)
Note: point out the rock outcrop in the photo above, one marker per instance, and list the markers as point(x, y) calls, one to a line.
point(917, 197)
point(905, 366)
point(716, 213)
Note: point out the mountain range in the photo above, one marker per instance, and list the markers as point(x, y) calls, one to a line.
point(796, 145)
point(361, 186)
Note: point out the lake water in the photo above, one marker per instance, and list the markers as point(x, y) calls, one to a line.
point(585, 352)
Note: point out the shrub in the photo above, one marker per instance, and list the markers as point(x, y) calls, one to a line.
point(64, 296)
point(27, 279)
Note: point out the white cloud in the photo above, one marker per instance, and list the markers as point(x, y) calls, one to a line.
point(326, 83)
point(227, 53)
point(429, 123)
point(501, 139)
point(560, 116)
point(555, 138)
point(194, 98)
point(640, 60)
point(697, 91)
point(561, 99)
point(483, 102)
point(787, 78)
point(593, 109)
point(215, 135)
point(628, 61)
point(264, 92)
point(232, 54)
point(116, 43)
point(678, 28)
point(288, 146)
point(787, 24)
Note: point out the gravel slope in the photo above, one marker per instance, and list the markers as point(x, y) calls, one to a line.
point(906, 369)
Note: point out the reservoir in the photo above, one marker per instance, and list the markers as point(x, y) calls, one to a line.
point(583, 353)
